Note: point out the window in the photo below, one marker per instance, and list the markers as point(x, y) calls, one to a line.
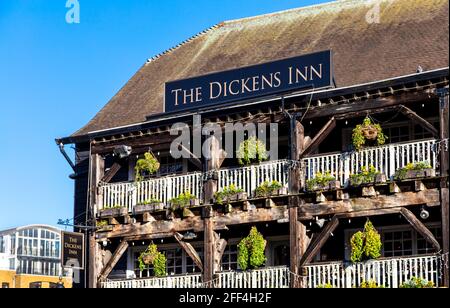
point(230, 258)
point(398, 243)
point(396, 134)
point(190, 265)
point(2, 245)
point(174, 261)
point(423, 247)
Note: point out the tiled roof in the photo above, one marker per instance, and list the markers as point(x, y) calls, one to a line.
point(410, 33)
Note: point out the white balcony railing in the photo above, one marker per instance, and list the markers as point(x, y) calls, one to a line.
point(276, 277)
point(175, 282)
point(249, 178)
point(267, 278)
point(389, 273)
point(387, 159)
point(128, 195)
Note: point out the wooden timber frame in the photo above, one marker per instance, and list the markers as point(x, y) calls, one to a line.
point(444, 162)
point(295, 210)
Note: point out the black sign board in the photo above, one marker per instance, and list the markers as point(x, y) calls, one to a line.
point(312, 71)
point(72, 255)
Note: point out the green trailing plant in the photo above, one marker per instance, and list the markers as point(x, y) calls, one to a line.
point(251, 250)
point(155, 258)
point(365, 176)
point(147, 165)
point(420, 166)
point(268, 189)
point(102, 223)
point(226, 193)
point(363, 132)
point(417, 283)
point(366, 245)
point(182, 201)
point(320, 180)
point(150, 201)
point(252, 151)
point(370, 285)
point(325, 286)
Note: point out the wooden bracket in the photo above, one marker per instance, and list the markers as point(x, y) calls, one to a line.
point(320, 137)
point(190, 250)
point(418, 119)
point(123, 246)
point(192, 158)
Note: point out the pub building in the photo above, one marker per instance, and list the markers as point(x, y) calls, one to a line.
point(361, 107)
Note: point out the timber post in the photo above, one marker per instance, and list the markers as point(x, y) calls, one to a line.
point(444, 163)
point(297, 231)
point(210, 188)
point(97, 172)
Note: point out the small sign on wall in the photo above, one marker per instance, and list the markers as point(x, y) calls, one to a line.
point(73, 250)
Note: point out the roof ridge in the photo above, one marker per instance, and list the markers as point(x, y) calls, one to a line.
point(200, 34)
point(231, 21)
point(304, 8)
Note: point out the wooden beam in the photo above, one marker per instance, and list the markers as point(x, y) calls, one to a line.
point(369, 213)
point(320, 137)
point(192, 158)
point(370, 104)
point(190, 250)
point(318, 242)
point(111, 173)
point(96, 172)
point(165, 229)
point(419, 120)
point(209, 249)
point(220, 245)
point(123, 246)
point(421, 228)
point(430, 198)
point(444, 159)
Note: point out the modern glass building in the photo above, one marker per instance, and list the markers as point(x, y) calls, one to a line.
point(31, 250)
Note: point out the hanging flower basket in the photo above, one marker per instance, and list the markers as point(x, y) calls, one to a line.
point(148, 259)
point(370, 132)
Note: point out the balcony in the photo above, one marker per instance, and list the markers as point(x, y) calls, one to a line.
point(389, 273)
point(276, 277)
point(129, 195)
point(386, 159)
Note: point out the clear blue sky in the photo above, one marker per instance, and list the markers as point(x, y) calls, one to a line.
point(55, 76)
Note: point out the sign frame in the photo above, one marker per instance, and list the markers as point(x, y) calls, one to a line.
point(240, 72)
point(83, 249)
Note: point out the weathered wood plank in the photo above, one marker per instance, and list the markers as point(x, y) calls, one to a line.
point(320, 137)
point(259, 215)
point(319, 241)
point(419, 120)
point(444, 159)
point(190, 250)
point(123, 246)
point(429, 198)
point(153, 230)
point(370, 104)
point(97, 168)
point(111, 173)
